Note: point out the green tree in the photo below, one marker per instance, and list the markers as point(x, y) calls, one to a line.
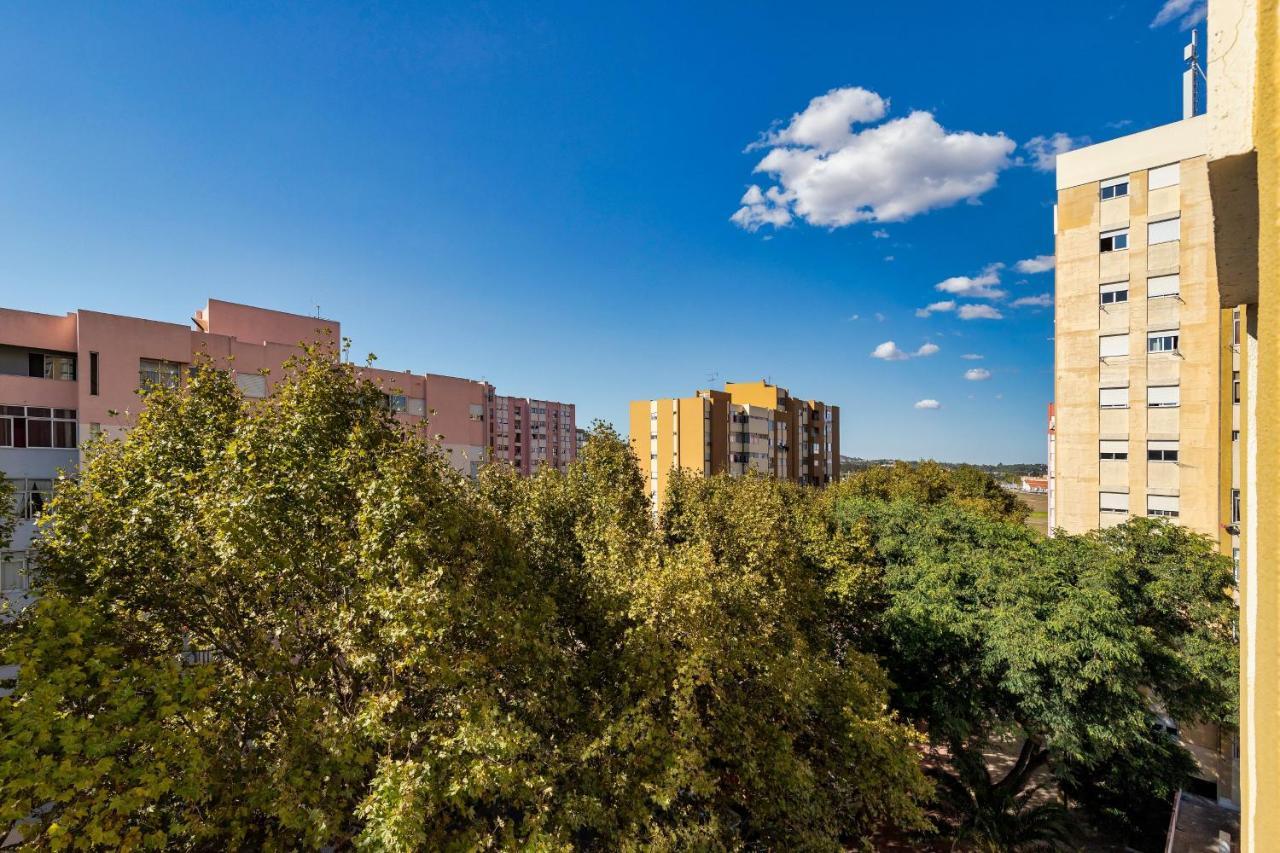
point(709, 711)
point(289, 623)
point(1063, 648)
point(375, 649)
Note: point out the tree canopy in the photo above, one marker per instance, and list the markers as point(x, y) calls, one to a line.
point(291, 623)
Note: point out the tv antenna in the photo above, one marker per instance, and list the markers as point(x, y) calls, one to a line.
point(1193, 79)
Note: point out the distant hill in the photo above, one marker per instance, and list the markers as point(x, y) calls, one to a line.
point(1008, 472)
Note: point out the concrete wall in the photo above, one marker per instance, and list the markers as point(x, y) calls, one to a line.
point(1080, 372)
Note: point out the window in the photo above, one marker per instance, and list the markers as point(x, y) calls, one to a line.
point(153, 372)
point(35, 426)
point(1235, 506)
point(252, 385)
point(1113, 398)
point(1162, 451)
point(1163, 176)
point(13, 572)
point(1164, 231)
point(50, 366)
point(476, 412)
point(1163, 341)
point(93, 374)
point(1117, 291)
point(1113, 449)
point(1113, 501)
point(1163, 285)
point(1113, 241)
point(1235, 386)
point(1163, 396)
point(30, 497)
point(1114, 188)
point(397, 402)
point(1235, 573)
point(1165, 506)
point(1113, 346)
point(1235, 327)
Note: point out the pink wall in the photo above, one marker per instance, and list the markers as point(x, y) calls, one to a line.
point(258, 325)
point(449, 401)
point(39, 331)
point(248, 340)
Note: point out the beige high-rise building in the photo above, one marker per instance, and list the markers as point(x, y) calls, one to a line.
point(749, 426)
point(1147, 370)
point(1139, 339)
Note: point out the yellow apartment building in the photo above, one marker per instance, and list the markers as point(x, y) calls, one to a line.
point(1244, 161)
point(1147, 361)
point(749, 426)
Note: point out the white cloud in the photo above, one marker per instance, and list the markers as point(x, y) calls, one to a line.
point(880, 234)
point(979, 312)
point(928, 404)
point(1044, 150)
point(829, 175)
point(977, 374)
point(879, 317)
point(826, 124)
point(888, 257)
point(1044, 300)
point(1040, 263)
point(927, 350)
point(936, 307)
point(853, 317)
point(1187, 13)
point(972, 356)
point(889, 351)
point(981, 286)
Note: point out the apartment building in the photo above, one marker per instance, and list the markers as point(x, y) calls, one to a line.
point(1146, 411)
point(528, 434)
point(1243, 112)
point(749, 426)
point(64, 378)
point(1138, 337)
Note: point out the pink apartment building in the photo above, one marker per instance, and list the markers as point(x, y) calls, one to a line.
point(67, 377)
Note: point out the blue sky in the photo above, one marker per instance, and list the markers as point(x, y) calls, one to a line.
point(442, 177)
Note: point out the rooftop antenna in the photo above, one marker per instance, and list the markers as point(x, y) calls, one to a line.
point(712, 377)
point(1192, 90)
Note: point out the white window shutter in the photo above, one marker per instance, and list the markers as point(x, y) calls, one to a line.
point(1113, 398)
point(252, 385)
point(1113, 446)
point(1110, 346)
point(1163, 395)
point(1162, 503)
point(1164, 231)
point(1114, 501)
point(1163, 176)
point(1163, 285)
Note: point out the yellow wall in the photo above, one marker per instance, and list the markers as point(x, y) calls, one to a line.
point(1260, 639)
point(1080, 320)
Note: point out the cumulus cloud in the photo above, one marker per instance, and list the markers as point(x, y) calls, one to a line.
point(853, 317)
point(1187, 13)
point(928, 404)
point(936, 308)
point(888, 351)
point(979, 312)
point(981, 286)
point(927, 350)
point(1040, 263)
point(1044, 150)
point(977, 374)
point(829, 175)
point(972, 356)
point(880, 234)
point(1043, 300)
